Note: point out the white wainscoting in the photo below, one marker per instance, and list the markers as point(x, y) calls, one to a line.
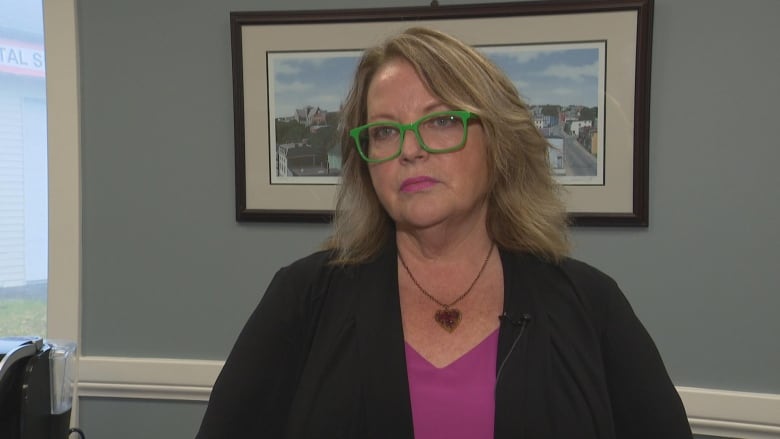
point(151, 378)
point(710, 411)
point(732, 414)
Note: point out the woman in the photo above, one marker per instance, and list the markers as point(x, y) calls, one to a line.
point(445, 305)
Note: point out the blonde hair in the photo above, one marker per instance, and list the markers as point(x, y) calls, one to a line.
point(525, 212)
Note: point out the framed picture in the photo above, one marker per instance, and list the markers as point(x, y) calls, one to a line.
point(583, 67)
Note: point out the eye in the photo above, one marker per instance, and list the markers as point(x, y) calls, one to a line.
point(382, 132)
point(444, 121)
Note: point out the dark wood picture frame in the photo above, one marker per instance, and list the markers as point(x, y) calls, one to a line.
point(626, 26)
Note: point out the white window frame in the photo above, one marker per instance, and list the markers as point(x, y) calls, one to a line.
point(63, 320)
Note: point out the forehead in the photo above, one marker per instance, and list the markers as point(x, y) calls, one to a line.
point(396, 84)
point(392, 72)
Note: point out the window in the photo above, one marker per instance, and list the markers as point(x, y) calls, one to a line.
point(23, 170)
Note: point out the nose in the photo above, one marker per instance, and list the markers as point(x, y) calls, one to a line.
point(410, 148)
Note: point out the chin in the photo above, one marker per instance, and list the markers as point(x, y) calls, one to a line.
point(421, 219)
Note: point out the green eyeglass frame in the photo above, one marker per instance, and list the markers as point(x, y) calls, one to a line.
point(463, 115)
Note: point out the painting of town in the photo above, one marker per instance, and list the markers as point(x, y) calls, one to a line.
point(562, 83)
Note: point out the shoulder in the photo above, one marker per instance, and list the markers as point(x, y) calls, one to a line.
point(576, 273)
point(300, 280)
point(570, 282)
point(584, 275)
point(316, 260)
point(601, 295)
point(598, 290)
point(313, 276)
point(308, 269)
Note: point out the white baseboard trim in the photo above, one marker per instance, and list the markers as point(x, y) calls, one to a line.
point(710, 411)
point(732, 414)
point(728, 429)
point(141, 391)
point(147, 378)
point(97, 371)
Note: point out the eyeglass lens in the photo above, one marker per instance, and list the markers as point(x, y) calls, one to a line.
point(436, 132)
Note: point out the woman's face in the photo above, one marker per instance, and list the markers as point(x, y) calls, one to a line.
point(418, 189)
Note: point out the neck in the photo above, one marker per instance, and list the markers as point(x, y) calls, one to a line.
point(442, 245)
point(456, 240)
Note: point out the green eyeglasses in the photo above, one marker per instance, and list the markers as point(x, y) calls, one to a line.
point(437, 133)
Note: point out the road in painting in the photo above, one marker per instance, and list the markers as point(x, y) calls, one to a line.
point(563, 84)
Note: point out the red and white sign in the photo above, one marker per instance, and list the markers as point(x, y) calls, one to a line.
point(22, 58)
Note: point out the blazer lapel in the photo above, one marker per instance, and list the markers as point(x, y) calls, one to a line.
point(380, 343)
point(521, 386)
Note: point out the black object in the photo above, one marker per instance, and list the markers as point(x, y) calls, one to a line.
point(26, 391)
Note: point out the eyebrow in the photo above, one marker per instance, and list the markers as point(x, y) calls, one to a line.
point(431, 108)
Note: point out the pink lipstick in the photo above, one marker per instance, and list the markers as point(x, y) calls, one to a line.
point(417, 184)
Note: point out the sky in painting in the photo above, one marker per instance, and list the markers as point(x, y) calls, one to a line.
point(554, 74)
point(319, 79)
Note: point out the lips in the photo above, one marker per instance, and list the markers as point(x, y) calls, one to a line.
point(417, 184)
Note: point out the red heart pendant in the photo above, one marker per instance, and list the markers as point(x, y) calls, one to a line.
point(448, 319)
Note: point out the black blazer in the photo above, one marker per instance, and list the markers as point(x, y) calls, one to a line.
point(322, 356)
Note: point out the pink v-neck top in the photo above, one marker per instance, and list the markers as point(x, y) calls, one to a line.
point(456, 401)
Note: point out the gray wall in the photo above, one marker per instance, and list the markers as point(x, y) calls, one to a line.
point(167, 271)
